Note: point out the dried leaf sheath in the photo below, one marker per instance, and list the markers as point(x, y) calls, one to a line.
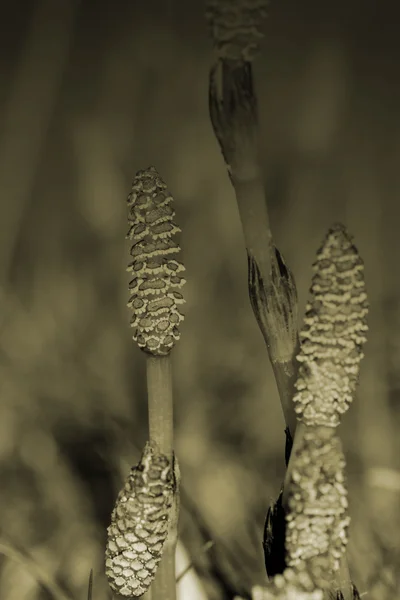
point(234, 117)
point(155, 290)
point(139, 524)
point(274, 305)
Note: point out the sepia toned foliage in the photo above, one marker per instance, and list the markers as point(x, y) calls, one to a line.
point(77, 120)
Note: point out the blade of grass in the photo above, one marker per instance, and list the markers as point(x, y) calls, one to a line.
point(28, 111)
point(37, 572)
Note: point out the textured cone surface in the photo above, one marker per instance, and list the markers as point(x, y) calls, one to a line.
point(291, 585)
point(333, 332)
point(139, 524)
point(235, 27)
point(316, 519)
point(155, 290)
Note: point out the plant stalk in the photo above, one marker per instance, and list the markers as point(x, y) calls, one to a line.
point(161, 432)
point(234, 117)
point(160, 403)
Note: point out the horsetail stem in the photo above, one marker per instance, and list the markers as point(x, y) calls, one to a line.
point(234, 117)
point(143, 530)
point(275, 309)
point(332, 336)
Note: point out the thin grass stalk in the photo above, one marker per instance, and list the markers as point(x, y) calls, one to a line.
point(38, 573)
point(90, 586)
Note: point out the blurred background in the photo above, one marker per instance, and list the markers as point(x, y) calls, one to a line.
point(91, 92)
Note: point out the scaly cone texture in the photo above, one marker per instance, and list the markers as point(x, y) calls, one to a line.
point(333, 333)
point(155, 298)
point(139, 524)
point(291, 585)
point(235, 27)
point(317, 520)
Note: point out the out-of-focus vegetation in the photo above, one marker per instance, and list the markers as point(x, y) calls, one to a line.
point(89, 94)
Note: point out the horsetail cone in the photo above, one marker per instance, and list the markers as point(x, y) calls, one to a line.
point(290, 585)
point(316, 518)
point(235, 27)
point(139, 524)
point(333, 333)
point(155, 290)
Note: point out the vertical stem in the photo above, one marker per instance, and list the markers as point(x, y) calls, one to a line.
point(234, 117)
point(160, 403)
point(250, 197)
point(343, 579)
point(297, 440)
point(161, 431)
point(164, 584)
point(285, 377)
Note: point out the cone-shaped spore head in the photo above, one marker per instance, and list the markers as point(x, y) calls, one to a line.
point(333, 333)
point(139, 524)
point(155, 290)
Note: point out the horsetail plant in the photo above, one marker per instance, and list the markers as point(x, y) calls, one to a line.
point(305, 536)
point(143, 528)
point(316, 516)
point(235, 28)
point(306, 529)
point(314, 497)
point(332, 338)
point(333, 332)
